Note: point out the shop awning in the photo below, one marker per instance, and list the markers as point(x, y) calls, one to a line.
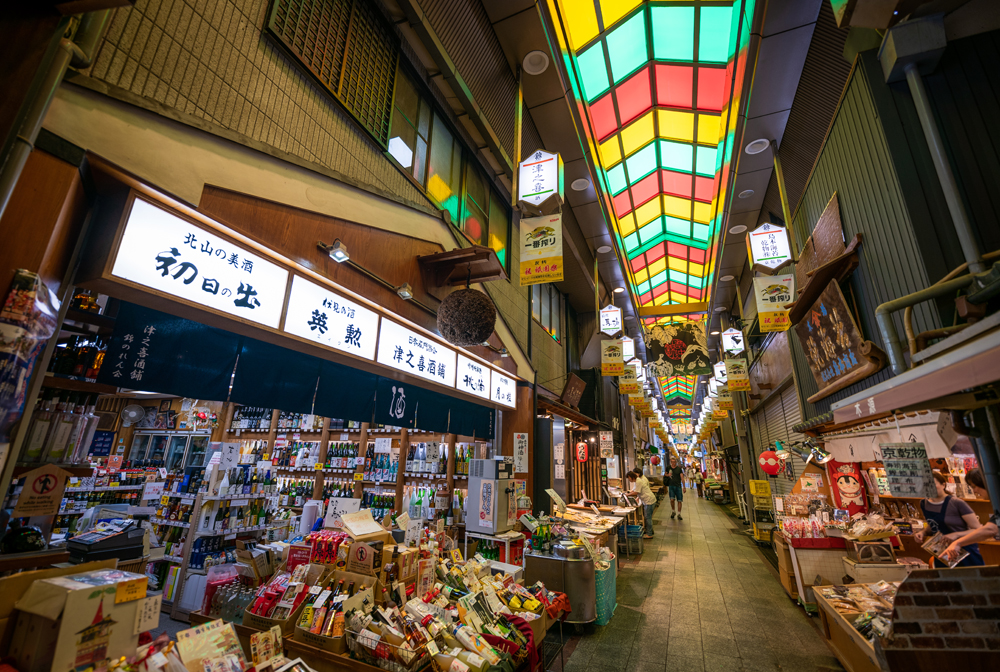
point(546, 405)
point(966, 367)
point(156, 351)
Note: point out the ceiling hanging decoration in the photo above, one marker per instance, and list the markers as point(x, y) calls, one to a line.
point(656, 79)
point(678, 349)
point(466, 317)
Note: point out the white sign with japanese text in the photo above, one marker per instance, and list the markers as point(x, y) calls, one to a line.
point(405, 350)
point(628, 349)
point(538, 177)
point(611, 320)
point(503, 390)
point(317, 314)
point(520, 453)
point(473, 377)
point(768, 246)
point(162, 251)
point(732, 341)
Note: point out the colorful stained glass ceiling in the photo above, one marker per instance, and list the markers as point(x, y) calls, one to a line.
point(654, 77)
point(678, 390)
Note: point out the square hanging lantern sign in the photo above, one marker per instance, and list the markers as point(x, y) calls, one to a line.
point(611, 358)
point(540, 183)
point(611, 320)
point(769, 248)
point(773, 294)
point(720, 372)
point(628, 348)
point(732, 341)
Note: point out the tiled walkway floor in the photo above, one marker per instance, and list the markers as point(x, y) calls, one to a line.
point(700, 598)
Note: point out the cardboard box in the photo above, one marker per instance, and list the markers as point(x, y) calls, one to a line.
point(77, 621)
point(372, 593)
point(14, 586)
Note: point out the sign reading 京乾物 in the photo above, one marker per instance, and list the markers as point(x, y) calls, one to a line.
point(908, 470)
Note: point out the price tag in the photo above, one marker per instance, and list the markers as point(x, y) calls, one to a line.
point(126, 591)
point(368, 639)
point(440, 525)
point(240, 502)
point(432, 648)
point(358, 476)
point(157, 660)
point(318, 467)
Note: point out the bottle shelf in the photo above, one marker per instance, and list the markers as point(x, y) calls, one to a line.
point(170, 523)
point(172, 558)
point(106, 488)
point(76, 384)
point(226, 498)
point(88, 317)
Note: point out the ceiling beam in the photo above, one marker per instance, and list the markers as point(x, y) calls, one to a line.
point(674, 309)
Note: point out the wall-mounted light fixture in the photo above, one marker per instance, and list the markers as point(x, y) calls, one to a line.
point(337, 251)
point(405, 291)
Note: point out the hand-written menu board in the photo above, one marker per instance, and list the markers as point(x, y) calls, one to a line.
point(908, 470)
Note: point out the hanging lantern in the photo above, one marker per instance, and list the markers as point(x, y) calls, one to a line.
point(654, 460)
point(581, 451)
point(769, 462)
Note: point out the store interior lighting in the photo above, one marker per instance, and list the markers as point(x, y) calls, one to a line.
point(337, 251)
point(405, 291)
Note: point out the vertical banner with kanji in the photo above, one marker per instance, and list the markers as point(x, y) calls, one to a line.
point(627, 382)
point(541, 250)
point(739, 378)
point(612, 363)
point(772, 294)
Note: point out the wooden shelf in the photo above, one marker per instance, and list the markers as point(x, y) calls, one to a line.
point(73, 384)
point(86, 317)
point(919, 498)
point(39, 559)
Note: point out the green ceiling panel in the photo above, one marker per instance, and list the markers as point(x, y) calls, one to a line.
point(675, 156)
point(642, 163)
point(627, 47)
point(705, 160)
point(713, 34)
point(616, 179)
point(594, 72)
point(673, 33)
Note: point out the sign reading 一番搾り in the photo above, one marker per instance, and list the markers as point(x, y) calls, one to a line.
point(319, 315)
point(768, 248)
point(772, 293)
point(627, 382)
point(473, 377)
point(405, 350)
point(908, 470)
point(167, 253)
point(736, 373)
point(611, 320)
point(612, 363)
point(541, 250)
point(503, 390)
point(540, 183)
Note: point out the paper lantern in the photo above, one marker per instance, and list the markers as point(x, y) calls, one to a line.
point(769, 462)
point(581, 451)
point(654, 460)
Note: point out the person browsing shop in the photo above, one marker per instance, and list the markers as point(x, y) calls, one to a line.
point(673, 478)
point(990, 530)
point(641, 489)
point(951, 517)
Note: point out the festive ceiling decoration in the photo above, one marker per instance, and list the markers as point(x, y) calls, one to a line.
point(678, 390)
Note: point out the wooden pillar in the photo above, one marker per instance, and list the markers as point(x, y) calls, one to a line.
point(404, 448)
point(450, 471)
point(359, 487)
point(222, 430)
point(324, 446)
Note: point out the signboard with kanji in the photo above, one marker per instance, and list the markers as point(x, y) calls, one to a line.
point(768, 248)
point(612, 363)
point(540, 183)
point(732, 341)
point(736, 372)
point(611, 320)
point(541, 250)
point(627, 382)
point(772, 293)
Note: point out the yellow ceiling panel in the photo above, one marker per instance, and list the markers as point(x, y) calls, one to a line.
point(676, 125)
point(647, 211)
point(657, 266)
point(638, 134)
point(708, 129)
point(677, 207)
point(581, 20)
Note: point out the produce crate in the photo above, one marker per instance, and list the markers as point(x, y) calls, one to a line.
point(386, 655)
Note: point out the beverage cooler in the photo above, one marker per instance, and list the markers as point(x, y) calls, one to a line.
point(177, 450)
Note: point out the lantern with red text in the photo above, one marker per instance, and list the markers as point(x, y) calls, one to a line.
point(581, 452)
point(769, 462)
point(654, 460)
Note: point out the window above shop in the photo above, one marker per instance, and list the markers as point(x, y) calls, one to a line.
point(547, 309)
point(423, 146)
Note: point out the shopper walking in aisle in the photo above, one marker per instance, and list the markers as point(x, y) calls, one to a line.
point(951, 517)
point(641, 489)
point(673, 478)
point(698, 480)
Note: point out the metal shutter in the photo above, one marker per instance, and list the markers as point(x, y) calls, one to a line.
point(791, 415)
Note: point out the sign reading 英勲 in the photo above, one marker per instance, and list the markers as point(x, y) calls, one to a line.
point(540, 198)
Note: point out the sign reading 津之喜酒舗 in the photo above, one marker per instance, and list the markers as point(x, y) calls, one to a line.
point(503, 390)
point(167, 253)
point(319, 315)
point(405, 350)
point(540, 183)
point(473, 377)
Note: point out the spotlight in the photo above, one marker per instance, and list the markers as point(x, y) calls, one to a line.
point(618, 290)
point(580, 184)
point(713, 333)
point(746, 193)
point(337, 251)
point(739, 228)
point(405, 291)
point(604, 249)
point(726, 278)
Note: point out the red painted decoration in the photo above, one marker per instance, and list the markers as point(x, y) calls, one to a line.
point(769, 462)
point(581, 452)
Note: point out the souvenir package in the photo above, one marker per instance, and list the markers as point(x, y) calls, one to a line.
point(937, 545)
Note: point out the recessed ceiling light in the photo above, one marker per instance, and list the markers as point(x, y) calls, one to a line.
point(535, 62)
point(757, 146)
point(720, 309)
point(713, 333)
point(580, 184)
point(739, 228)
point(726, 278)
point(604, 249)
point(629, 317)
point(619, 290)
point(746, 193)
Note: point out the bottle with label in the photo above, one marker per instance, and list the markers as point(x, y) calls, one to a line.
point(59, 436)
point(41, 423)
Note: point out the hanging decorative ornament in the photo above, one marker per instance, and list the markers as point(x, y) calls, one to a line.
point(581, 451)
point(466, 317)
point(769, 462)
point(654, 460)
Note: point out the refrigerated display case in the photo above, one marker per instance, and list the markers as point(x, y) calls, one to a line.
point(175, 449)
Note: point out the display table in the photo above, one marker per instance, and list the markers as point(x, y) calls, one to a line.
point(817, 557)
point(854, 652)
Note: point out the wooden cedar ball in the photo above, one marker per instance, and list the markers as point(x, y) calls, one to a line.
point(466, 317)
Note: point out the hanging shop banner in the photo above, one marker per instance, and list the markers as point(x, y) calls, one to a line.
point(150, 350)
point(846, 486)
point(628, 348)
point(503, 390)
point(520, 453)
point(768, 248)
point(725, 398)
point(165, 252)
point(406, 350)
point(540, 183)
point(611, 321)
point(772, 294)
point(473, 377)
point(541, 250)
point(635, 399)
point(720, 372)
point(612, 363)
point(321, 316)
point(627, 382)
point(736, 372)
point(719, 414)
point(607, 444)
point(269, 376)
point(837, 354)
point(678, 349)
point(732, 341)
point(908, 470)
